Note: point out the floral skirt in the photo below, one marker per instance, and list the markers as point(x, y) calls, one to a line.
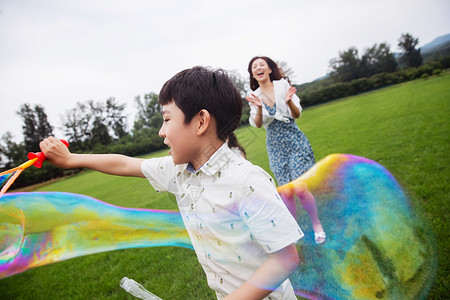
point(290, 153)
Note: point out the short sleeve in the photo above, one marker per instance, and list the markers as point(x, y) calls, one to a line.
point(159, 172)
point(266, 215)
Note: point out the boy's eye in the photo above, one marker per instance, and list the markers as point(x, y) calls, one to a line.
point(166, 120)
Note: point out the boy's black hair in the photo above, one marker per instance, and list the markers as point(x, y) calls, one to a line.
point(202, 88)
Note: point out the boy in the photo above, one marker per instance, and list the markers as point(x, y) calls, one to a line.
point(242, 233)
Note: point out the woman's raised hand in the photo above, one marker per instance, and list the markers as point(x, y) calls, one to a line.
point(292, 90)
point(253, 99)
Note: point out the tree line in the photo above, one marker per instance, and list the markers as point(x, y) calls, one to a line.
point(351, 73)
point(101, 127)
point(91, 127)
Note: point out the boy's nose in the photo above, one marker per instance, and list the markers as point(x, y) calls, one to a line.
point(162, 132)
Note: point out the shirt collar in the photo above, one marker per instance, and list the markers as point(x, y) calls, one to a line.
point(215, 162)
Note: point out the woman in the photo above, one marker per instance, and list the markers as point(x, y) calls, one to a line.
point(275, 106)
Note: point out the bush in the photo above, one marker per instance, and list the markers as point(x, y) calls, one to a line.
point(437, 72)
point(35, 175)
point(402, 75)
point(361, 85)
point(380, 80)
point(436, 64)
point(425, 69)
point(412, 73)
point(245, 112)
point(445, 62)
point(395, 77)
point(318, 92)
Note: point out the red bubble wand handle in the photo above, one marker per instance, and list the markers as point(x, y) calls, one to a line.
point(41, 157)
point(35, 159)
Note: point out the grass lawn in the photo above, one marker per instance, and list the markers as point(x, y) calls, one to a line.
point(404, 127)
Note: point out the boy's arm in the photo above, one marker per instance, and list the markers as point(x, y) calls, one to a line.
point(57, 154)
point(273, 272)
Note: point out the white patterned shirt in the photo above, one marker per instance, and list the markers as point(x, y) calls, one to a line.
point(233, 214)
point(283, 112)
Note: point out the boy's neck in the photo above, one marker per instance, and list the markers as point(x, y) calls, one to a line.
point(206, 151)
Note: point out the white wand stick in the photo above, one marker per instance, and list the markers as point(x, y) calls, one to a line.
point(136, 289)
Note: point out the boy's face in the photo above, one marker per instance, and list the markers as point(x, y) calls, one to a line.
point(180, 137)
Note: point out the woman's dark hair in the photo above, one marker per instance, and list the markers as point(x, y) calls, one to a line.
point(276, 74)
point(202, 88)
point(233, 142)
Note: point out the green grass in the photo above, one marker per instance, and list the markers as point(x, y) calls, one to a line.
point(404, 127)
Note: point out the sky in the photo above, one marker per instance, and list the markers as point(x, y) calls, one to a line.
point(58, 52)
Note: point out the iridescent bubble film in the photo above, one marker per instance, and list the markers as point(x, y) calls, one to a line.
point(41, 228)
point(376, 246)
point(4, 178)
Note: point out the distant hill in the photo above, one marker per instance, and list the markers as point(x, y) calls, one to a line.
point(436, 45)
point(436, 49)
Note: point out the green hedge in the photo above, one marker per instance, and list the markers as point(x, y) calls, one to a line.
point(320, 94)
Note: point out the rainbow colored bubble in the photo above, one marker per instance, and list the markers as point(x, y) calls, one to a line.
point(376, 246)
point(42, 228)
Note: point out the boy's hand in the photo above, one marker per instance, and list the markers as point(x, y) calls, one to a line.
point(55, 152)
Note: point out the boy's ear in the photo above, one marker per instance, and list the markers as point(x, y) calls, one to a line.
point(204, 121)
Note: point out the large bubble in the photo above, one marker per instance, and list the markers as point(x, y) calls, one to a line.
point(376, 246)
point(42, 228)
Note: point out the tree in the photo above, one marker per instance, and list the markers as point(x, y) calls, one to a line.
point(241, 84)
point(147, 124)
point(149, 112)
point(347, 66)
point(286, 71)
point(411, 57)
point(13, 152)
point(91, 123)
point(243, 87)
point(377, 59)
point(99, 130)
point(77, 126)
point(116, 121)
point(36, 126)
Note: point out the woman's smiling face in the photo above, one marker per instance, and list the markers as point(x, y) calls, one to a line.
point(261, 70)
